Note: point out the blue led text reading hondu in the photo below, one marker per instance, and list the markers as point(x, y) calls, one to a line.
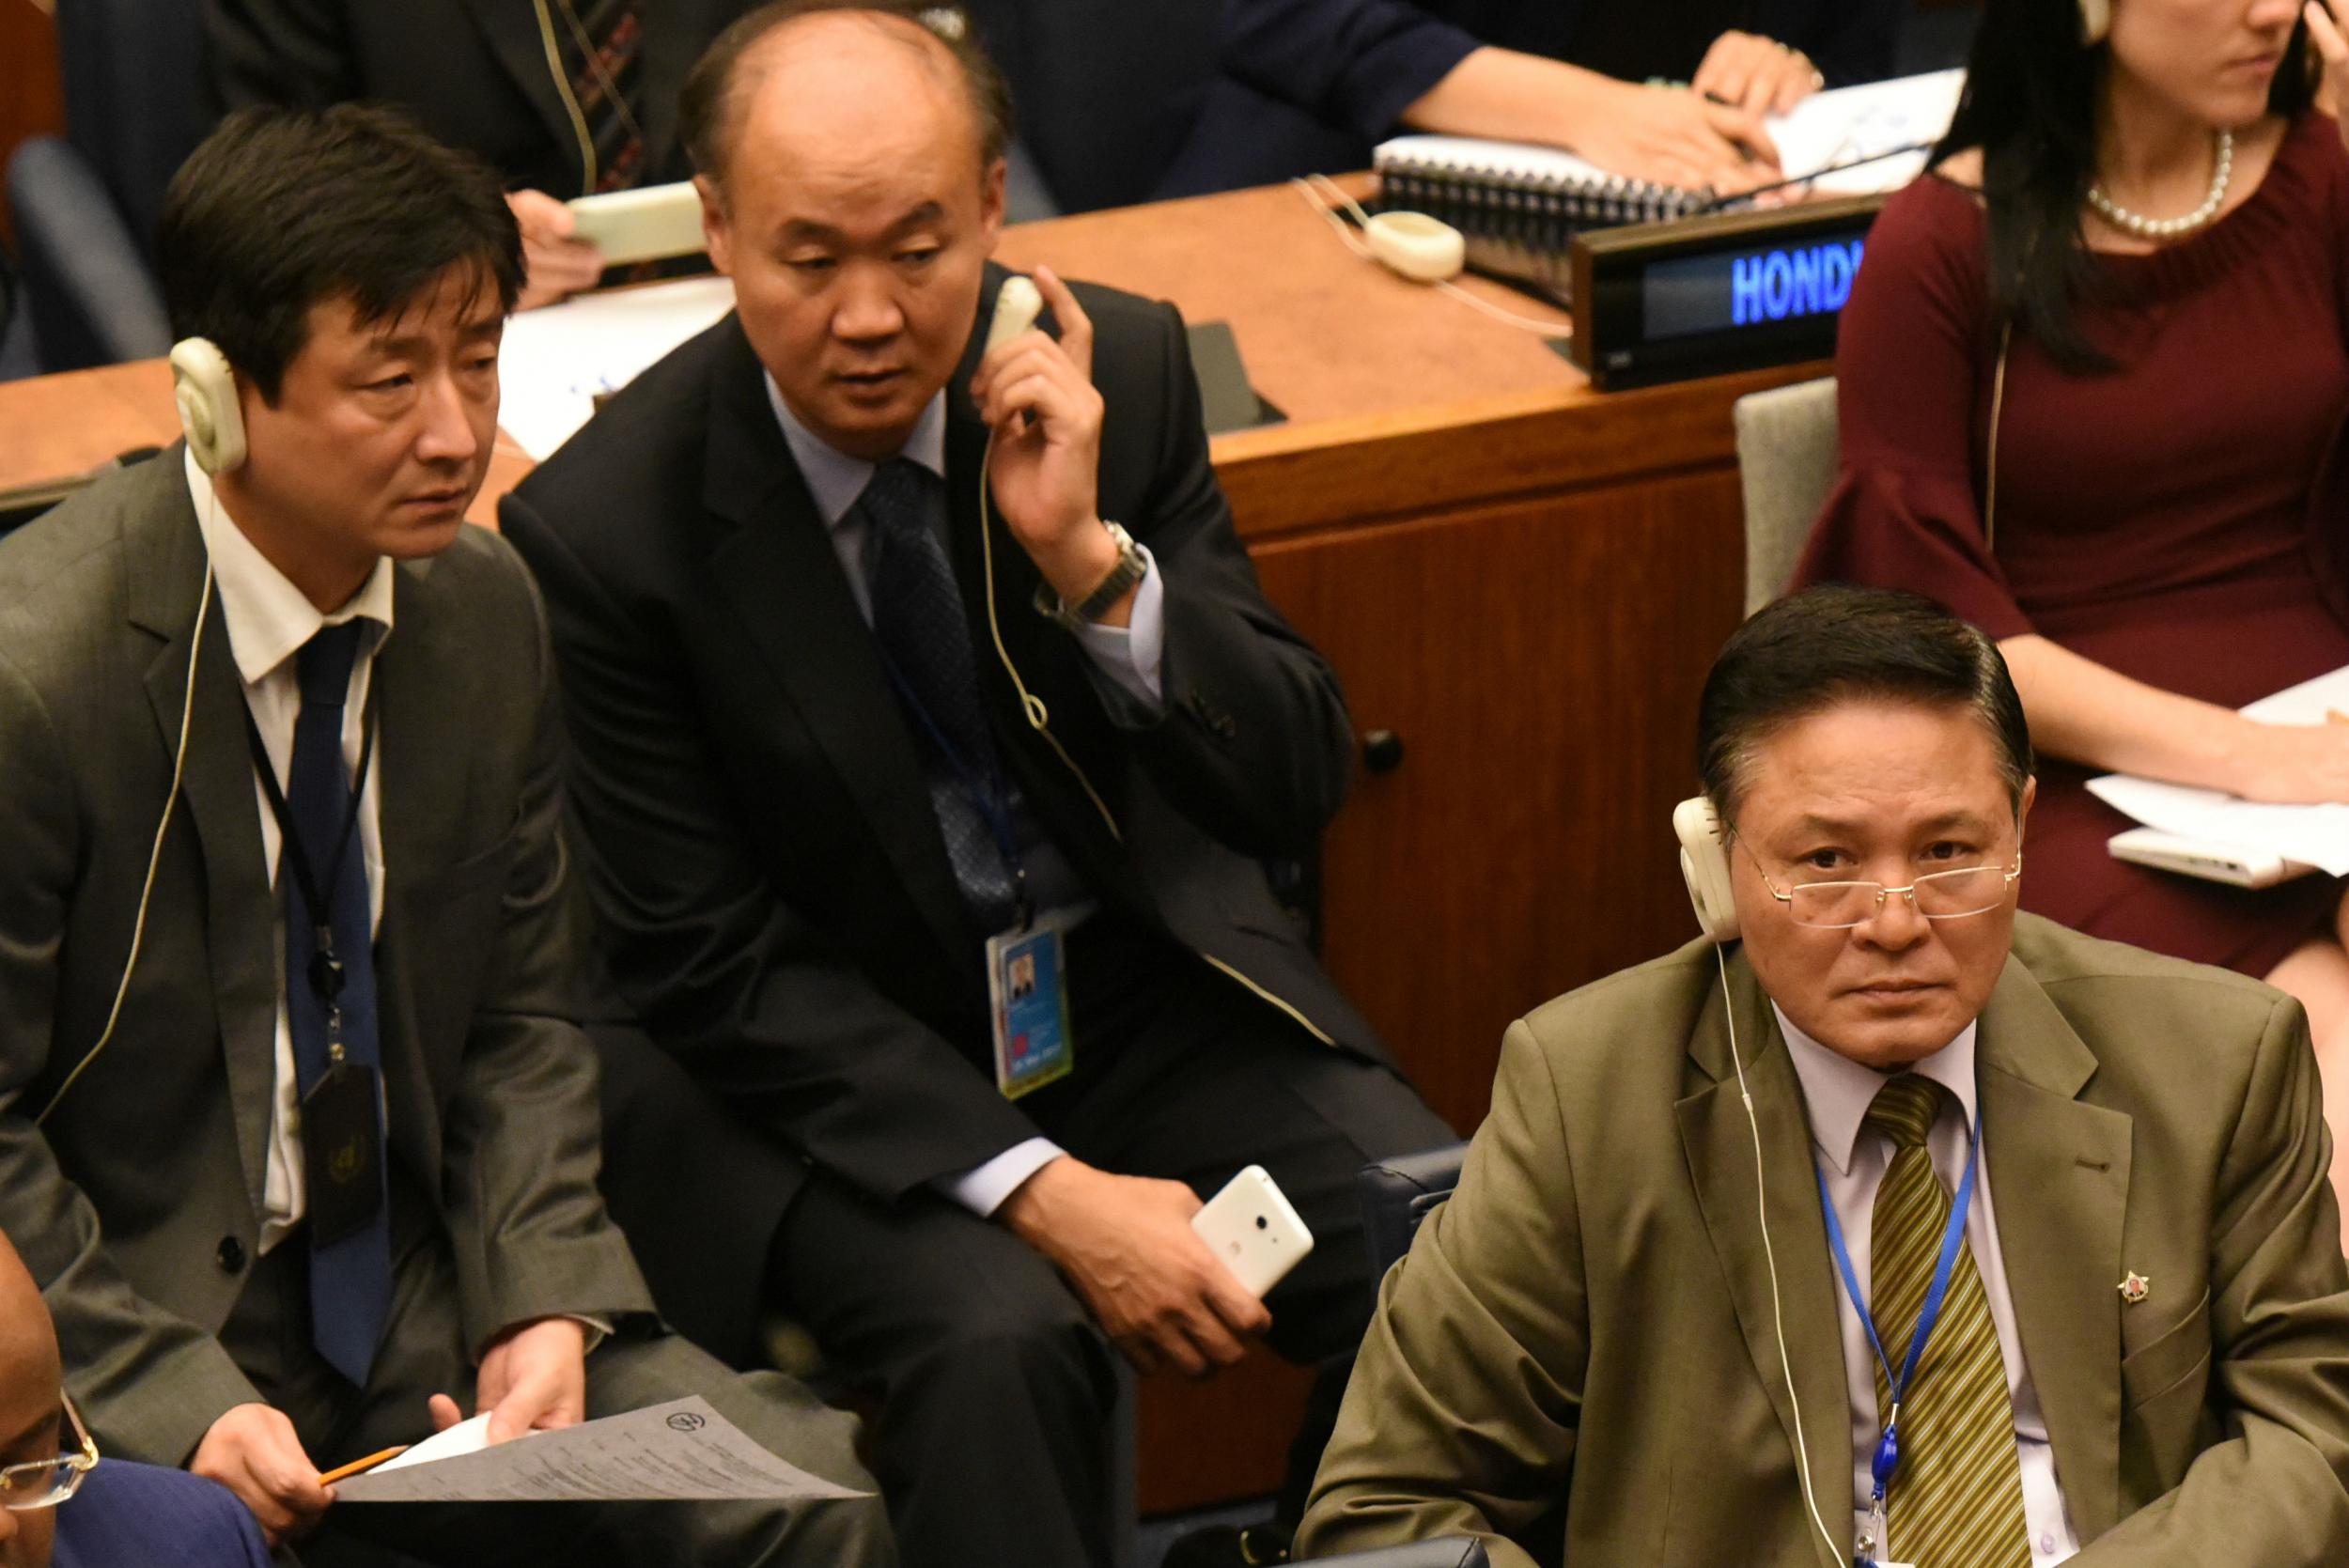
point(1806, 280)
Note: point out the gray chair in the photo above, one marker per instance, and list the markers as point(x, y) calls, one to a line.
point(1786, 462)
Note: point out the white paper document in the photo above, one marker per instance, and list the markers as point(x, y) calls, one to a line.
point(556, 362)
point(682, 1449)
point(1825, 131)
point(2316, 836)
point(1828, 130)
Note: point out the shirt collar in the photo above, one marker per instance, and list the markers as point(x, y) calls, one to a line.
point(834, 479)
point(1840, 1091)
point(269, 619)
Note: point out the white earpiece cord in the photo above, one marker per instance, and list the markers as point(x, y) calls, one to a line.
point(154, 853)
point(1309, 189)
point(1770, 1254)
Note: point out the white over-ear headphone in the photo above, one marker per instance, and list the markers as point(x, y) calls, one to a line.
point(2095, 20)
point(205, 389)
point(1704, 866)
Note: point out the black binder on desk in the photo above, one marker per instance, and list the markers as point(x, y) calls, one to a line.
point(1518, 206)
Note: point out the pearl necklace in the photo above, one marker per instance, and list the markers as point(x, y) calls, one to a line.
point(2169, 228)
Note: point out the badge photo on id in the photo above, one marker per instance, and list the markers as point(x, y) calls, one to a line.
point(1028, 996)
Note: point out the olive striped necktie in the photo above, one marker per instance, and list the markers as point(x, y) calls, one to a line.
point(1956, 1501)
point(608, 45)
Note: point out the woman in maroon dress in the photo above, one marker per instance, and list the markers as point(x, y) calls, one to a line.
point(2138, 216)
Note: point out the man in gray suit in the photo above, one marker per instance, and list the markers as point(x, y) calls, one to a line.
point(297, 1131)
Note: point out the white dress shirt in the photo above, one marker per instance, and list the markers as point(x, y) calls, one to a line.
point(268, 620)
point(1128, 656)
point(1853, 1159)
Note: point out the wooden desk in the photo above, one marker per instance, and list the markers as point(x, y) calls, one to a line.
point(1520, 579)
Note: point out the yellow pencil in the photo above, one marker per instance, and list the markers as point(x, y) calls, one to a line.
point(344, 1472)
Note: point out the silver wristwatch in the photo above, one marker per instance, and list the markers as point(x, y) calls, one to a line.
point(1131, 568)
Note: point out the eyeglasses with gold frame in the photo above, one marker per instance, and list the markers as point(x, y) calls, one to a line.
point(47, 1482)
point(1952, 894)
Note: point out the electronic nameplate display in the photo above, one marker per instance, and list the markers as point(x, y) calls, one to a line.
point(1711, 295)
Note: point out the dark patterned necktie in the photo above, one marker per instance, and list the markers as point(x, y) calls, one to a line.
point(925, 641)
point(350, 1278)
point(608, 45)
point(1957, 1499)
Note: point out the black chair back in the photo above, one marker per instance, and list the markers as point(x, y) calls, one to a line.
point(1397, 1194)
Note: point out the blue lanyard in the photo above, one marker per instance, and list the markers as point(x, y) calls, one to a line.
point(990, 795)
point(1888, 1454)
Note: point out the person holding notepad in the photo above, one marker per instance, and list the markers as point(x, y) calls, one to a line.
point(2093, 379)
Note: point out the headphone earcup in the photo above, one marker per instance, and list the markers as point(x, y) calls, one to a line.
point(204, 388)
point(2095, 21)
point(1704, 866)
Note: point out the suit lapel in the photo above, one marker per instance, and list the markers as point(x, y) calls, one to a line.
point(777, 569)
point(423, 779)
point(164, 572)
point(1718, 1142)
point(2060, 1177)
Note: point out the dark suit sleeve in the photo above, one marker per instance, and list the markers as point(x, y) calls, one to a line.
point(1849, 41)
point(522, 1140)
point(746, 990)
point(1463, 1410)
point(1252, 743)
point(1353, 63)
point(288, 52)
point(132, 1515)
point(150, 1380)
point(2274, 1488)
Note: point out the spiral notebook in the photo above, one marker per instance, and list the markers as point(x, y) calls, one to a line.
point(1520, 205)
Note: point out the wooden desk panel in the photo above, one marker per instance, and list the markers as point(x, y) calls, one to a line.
point(1521, 655)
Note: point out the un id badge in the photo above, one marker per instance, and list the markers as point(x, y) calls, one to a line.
point(1028, 993)
point(342, 1156)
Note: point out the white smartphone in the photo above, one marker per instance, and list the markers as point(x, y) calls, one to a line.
point(651, 223)
point(2212, 861)
point(1250, 1226)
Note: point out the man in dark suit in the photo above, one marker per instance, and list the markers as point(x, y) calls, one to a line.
point(849, 735)
point(562, 97)
point(297, 1164)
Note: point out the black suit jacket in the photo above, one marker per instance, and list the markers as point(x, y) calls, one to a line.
point(777, 899)
point(137, 1198)
point(474, 72)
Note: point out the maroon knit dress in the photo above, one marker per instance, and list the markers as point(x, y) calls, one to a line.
point(2183, 520)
